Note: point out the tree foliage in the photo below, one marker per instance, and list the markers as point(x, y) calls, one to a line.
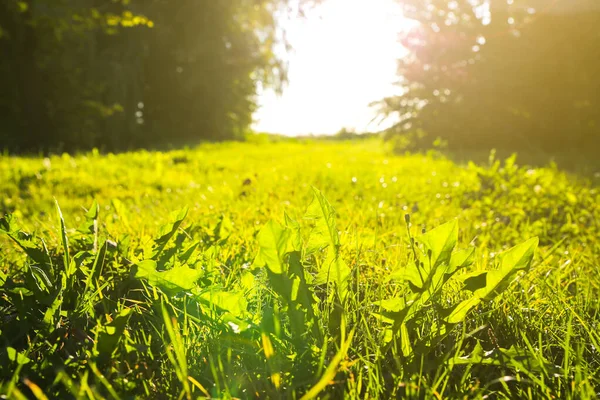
point(505, 77)
point(117, 74)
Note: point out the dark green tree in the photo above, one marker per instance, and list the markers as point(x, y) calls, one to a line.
point(203, 63)
point(506, 77)
point(118, 74)
point(55, 80)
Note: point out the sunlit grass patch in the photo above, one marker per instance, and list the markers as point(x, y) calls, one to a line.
point(402, 276)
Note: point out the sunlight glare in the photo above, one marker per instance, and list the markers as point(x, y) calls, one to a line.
point(344, 58)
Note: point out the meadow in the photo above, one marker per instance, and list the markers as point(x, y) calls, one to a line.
point(297, 269)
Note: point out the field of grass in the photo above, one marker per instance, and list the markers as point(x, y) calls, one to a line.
point(307, 269)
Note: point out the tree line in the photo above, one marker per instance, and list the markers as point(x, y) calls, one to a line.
point(505, 77)
point(120, 74)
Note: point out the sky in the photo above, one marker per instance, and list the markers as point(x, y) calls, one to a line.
point(344, 58)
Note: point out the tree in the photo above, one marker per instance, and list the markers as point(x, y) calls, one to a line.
point(54, 83)
point(206, 57)
point(506, 77)
point(118, 74)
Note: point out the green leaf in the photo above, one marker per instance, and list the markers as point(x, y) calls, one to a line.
point(176, 352)
point(526, 360)
point(15, 356)
point(90, 225)
point(475, 281)
point(172, 281)
point(395, 304)
point(234, 303)
point(439, 243)
point(98, 265)
point(296, 236)
point(292, 288)
point(520, 359)
point(37, 253)
point(123, 245)
point(52, 314)
point(477, 356)
point(324, 232)
point(410, 273)
point(121, 211)
point(440, 262)
point(109, 335)
point(334, 269)
point(94, 211)
point(274, 242)
point(516, 259)
point(222, 230)
point(8, 224)
point(460, 311)
point(185, 256)
point(406, 346)
point(63, 237)
point(300, 292)
point(461, 259)
point(167, 231)
point(41, 279)
point(458, 260)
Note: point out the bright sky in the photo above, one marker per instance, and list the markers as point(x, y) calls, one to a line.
point(344, 57)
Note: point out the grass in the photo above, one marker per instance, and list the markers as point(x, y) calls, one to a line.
point(297, 269)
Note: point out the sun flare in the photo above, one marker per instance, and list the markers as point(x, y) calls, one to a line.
point(344, 58)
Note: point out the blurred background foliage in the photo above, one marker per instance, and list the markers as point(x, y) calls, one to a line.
point(119, 74)
point(515, 75)
point(122, 74)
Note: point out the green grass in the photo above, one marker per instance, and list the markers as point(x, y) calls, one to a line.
point(307, 269)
